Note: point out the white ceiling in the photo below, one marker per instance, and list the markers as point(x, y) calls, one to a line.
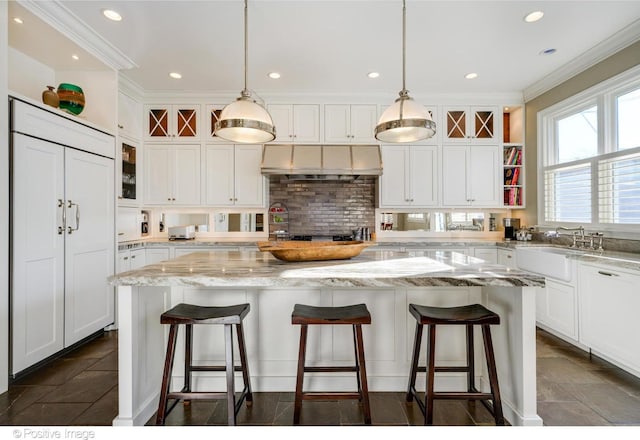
point(329, 46)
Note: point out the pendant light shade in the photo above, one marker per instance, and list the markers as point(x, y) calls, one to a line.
point(405, 120)
point(245, 120)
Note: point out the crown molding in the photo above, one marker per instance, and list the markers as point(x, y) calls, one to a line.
point(67, 23)
point(590, 58)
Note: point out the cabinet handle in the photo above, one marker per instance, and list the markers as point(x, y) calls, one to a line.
point(608, 274)
point(508, 256)
point(64, 217)
point(132, 257)
point(231, 199)
point(120, 126)
point(70, 204)
point(120, 233)
point(125, 258)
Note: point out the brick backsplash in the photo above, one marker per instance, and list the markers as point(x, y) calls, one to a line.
point(325, 207)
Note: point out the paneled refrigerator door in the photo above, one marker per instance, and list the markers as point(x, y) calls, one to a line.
point(89, 249)
point(37, 302)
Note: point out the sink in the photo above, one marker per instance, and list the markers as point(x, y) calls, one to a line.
point(552, 262)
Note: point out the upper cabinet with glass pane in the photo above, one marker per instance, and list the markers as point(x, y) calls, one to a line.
point(471, 125)
point(172, 122)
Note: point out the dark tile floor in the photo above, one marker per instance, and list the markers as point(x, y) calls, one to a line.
point(81, 389)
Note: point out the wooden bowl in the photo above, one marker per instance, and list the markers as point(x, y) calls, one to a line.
point(313, 250)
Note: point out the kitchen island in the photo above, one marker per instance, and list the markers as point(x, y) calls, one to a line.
point(384, 280)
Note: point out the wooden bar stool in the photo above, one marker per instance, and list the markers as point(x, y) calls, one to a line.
point(355, 315)
point(188, 314)
point(468, 316)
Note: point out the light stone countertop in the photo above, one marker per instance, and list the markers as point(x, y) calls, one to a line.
point(373, 268)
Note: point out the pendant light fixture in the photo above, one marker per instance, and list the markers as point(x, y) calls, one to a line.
point(405, 120)
point(244, 120)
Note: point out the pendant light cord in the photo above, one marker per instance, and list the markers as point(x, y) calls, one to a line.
point(246, 50)
point(404, 46)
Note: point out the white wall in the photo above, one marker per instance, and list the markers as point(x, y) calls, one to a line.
point(25, 72)
point(4, 204)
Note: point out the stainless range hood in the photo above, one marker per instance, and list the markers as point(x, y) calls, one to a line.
point(321, 162)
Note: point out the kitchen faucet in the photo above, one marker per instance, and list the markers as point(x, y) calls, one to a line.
point(579, 240)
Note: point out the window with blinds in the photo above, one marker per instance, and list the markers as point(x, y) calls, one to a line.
point(591, 156)
point(619, 189)
point(568, 194)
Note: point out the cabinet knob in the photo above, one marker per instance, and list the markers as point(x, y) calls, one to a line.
point(231, 199)
point(125, 258)
point(169, 199)
point(120, 126)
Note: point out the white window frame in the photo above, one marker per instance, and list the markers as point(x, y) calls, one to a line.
point(603, 95)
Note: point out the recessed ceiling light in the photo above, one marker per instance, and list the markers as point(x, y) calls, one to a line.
point(506, 109)
point(373, 74)
point(549, 51)
point(75, 57)
point(18, 20)
point(175, 75)
point(111, 14)
point(472, 75)
point(533, 16)
point(274, 75)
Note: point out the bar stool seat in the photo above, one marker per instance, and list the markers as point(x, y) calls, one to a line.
point(354, 315)
point(188, 315)
point(470, 315)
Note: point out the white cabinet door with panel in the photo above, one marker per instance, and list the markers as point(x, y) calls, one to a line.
point(609, 304)
point(471, 176)
point(557, 309)
point(507, 257)
point(298, 123)
point(157, 254)
point(172, 174)
point(410, 176)
point(344, 123)
point(63, 234)
point(129, 116)
point(131, 260)
point(232, 175)
point(488, 254)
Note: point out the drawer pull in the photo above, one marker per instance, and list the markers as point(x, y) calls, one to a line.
point(608, 274)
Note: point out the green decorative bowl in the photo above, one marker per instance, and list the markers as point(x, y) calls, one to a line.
point(71, 98)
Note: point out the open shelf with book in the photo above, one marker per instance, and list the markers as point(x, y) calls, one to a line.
point(513, 179)
point(513, 175)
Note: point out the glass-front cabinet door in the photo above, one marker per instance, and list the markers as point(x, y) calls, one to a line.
point(478, 125)
point(172, 122)
point(129, 173)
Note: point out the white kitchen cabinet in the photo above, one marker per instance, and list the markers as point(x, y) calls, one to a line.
point(609, 304)
point(172, 122)
point(128, 224)
point(479, 125)
point(63, 235)
point(172, 174)
point(296, 123)
point(347, 124)
point(129, 116)
point(507, 257)
point(157, 254)
point(128, 172)
point(471, 176)
point(131, 259)
point(488, 254)
point(410, 176)
point(557, 309)
point(232, 175)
